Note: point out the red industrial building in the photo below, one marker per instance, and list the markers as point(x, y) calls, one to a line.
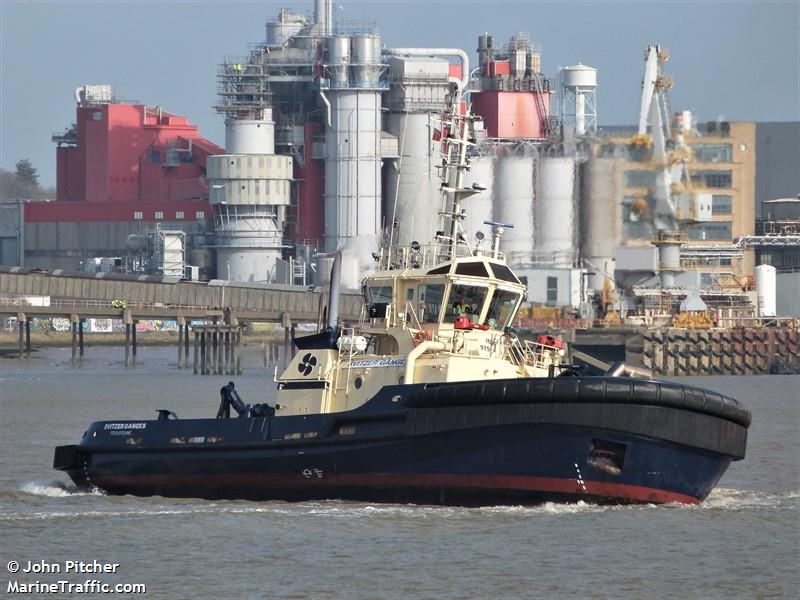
point(132, 157)
point(514, 99)
point(122, 168)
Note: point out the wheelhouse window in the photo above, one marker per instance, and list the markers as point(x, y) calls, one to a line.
point(430, 302)
point(501, 308)
point(379, 297)
point(466, 299)
point(380, 294)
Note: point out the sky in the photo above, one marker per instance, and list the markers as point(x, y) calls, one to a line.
point(732, 60)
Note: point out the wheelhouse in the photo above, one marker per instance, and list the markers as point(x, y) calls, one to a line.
point(484, 292)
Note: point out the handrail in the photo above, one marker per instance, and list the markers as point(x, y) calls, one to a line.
point(418, 256)
point(66, 303)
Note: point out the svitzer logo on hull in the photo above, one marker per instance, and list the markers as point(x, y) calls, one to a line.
point(125, 426)
point(307, 364)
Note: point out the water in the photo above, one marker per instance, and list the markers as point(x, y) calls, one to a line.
point(744, 541)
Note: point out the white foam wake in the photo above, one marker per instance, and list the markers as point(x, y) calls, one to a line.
point(56, 489)
point(733, 499)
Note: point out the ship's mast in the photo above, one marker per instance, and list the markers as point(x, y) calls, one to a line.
point(455, 141)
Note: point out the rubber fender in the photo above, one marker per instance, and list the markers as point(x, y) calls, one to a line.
point(614, 390)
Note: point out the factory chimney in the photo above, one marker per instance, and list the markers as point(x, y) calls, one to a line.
point(323, 15)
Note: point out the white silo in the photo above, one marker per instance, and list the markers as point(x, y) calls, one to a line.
point(417, 89)
point(766, 290)
point(600, 218)
point(579, 98)
point(513, 203)
point(352, 154)
point(249, 190)
point(554, 212)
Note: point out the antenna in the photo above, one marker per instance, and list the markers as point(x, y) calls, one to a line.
point(497, 233)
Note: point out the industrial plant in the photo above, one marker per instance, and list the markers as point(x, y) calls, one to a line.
point(333, 142)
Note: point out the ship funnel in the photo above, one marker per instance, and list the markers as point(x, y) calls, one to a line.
point(333, 300)
point(327, 338)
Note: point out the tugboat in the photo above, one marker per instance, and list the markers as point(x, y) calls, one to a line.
point(431, 398)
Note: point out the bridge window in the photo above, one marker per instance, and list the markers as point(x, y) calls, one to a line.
point(502, 308)
point(466, 300)
point(476, 269)
point(137, 215)
point(504, 273)
point(200, 215)
point(159, 215)
point(430, 302)
point(178, 215)
point(380, 294)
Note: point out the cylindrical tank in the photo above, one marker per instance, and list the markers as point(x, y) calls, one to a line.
point(250, 136)
point(600, 217)
point(248, 248)
point(353, 180)
point(249, 179)
point(365, 55)
point(412, 182)
point(579, 76)
point(669, 262)
point(513, 203)
point(479, 206)
point(339, 61)
point(554, 213)
point(766, 290)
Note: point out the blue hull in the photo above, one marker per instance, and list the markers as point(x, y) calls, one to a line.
point(421, 451)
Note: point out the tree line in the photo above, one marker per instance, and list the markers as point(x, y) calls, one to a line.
point(23, 184)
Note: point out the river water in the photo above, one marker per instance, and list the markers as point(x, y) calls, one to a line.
point(744, 541)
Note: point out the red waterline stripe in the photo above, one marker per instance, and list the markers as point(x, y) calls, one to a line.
point(500, 482)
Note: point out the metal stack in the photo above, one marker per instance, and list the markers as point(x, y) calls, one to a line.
point(352, 151)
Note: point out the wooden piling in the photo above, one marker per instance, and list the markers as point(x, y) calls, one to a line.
point(226, 363)
point(180, 345)
point(186, 346)
point(80, 338)
point(74, 325)
point(196, 358)
point(21, 328)
point(220, 351)
point(133, 343)
point(203, 364)
point(238, 353)
point(127, 344)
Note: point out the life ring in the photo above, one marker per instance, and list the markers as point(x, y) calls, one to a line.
point(420, 336)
